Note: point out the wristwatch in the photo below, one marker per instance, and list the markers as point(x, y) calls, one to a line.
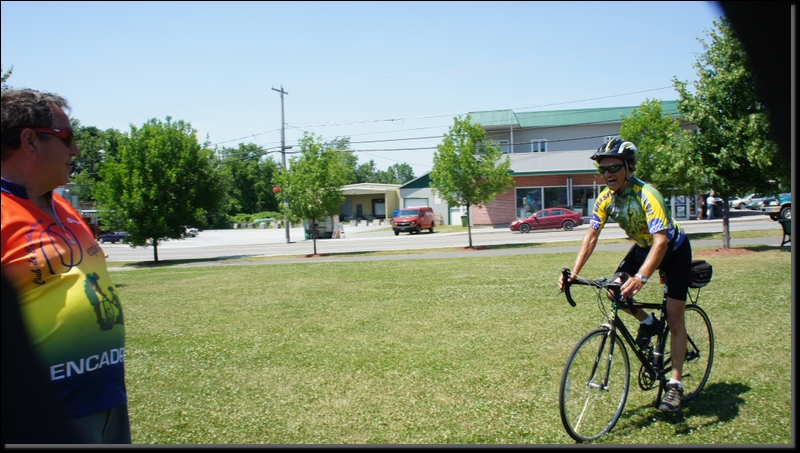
point(642, 278)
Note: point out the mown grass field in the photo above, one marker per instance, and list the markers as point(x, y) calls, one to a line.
point(428, 351)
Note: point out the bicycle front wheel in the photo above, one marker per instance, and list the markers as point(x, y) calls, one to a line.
point(594, 385)
point(699, 352)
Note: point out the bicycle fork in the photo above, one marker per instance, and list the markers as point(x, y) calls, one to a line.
point(610, 336)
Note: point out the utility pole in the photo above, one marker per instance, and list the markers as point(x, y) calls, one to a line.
point(285, 168)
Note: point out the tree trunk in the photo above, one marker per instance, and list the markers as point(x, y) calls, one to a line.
point(726, 231)
point(469, 228)
point(155, 250)
point(314, 234)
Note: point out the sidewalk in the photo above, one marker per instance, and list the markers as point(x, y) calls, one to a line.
point(735, 216)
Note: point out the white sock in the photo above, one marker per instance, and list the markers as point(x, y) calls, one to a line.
point(673, 381)
point(649, 320)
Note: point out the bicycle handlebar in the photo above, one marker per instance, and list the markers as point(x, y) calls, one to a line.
point(566, 273)
point(603, 283)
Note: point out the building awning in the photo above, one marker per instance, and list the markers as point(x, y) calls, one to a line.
point(369, 189)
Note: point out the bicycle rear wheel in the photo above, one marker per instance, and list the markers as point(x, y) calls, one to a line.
point(699, 352)
point(594, 386)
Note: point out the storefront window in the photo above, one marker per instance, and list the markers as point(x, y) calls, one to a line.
point(555, 197)
point(532, 199)
point(583, 198)
point(529, 200)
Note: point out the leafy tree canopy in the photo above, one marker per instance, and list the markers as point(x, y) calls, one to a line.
point(313, 184)
point(159, 180)
point(5, 77)
point(250, 179)
point(396, 174)
point(94, 144)
point(368, 172)
point(664, 158)
point(733, 146)
point(468, 170)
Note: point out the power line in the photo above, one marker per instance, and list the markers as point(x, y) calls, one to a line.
point(497, 133)
point(248, 136)
point(561, 113)
point(408, 118)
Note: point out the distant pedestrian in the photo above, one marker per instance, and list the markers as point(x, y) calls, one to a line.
point(711, 202)
point(701, 212)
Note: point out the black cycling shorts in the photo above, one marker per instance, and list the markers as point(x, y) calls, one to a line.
point(677, 265)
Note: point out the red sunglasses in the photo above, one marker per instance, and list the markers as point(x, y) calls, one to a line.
point(67, 135)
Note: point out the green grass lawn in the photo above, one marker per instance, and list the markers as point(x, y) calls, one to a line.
point(427, 351)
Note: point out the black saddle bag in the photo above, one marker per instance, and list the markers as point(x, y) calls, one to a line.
point(701, 274)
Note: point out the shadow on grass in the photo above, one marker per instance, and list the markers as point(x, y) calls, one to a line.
point(520, 246)
point(446, 249)
point(717, 403)
point(758, 248)
point(166, 263)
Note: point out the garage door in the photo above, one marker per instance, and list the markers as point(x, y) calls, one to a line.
point(455, 215)
point(414, 202)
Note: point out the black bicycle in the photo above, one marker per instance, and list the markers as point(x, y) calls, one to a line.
point(596, 378)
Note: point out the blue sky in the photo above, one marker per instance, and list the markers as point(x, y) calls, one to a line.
point(389, 75)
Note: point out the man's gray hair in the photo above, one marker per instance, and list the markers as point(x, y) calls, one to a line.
point(25, 108)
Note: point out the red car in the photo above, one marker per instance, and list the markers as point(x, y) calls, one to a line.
point(549, 218)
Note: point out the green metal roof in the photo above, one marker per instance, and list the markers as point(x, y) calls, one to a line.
point(494, 118)
point(556, 118)
point(422, 182)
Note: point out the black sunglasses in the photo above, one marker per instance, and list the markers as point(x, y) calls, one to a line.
point(610, 168)
point(67, 135)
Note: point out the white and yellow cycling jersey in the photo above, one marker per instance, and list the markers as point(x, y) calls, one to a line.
point(640, 211)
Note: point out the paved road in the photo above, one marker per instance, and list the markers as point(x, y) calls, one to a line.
point(231, 244)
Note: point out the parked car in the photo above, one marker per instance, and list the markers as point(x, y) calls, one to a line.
point(190, 231)
point(737, 203)
point(756, 205)
point(752, 201)
point(548, 218)
point(117, 236)
point(779, 208)
point(414, 220)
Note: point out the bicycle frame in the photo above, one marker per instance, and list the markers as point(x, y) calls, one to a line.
point(655, 369)
point(616, 327)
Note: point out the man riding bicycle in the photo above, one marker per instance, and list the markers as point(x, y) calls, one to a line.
point(660, 243)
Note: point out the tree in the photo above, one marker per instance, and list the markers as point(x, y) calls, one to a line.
point(733, 146)
point(395, 174)
point(402, 173)
point(313, 183)
point(251, 179)
point(467, 169)
point(5, 77)
point(664, 158)
point(93, 145)
point(159, 180)
point(367, 172)
point(342, 144)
